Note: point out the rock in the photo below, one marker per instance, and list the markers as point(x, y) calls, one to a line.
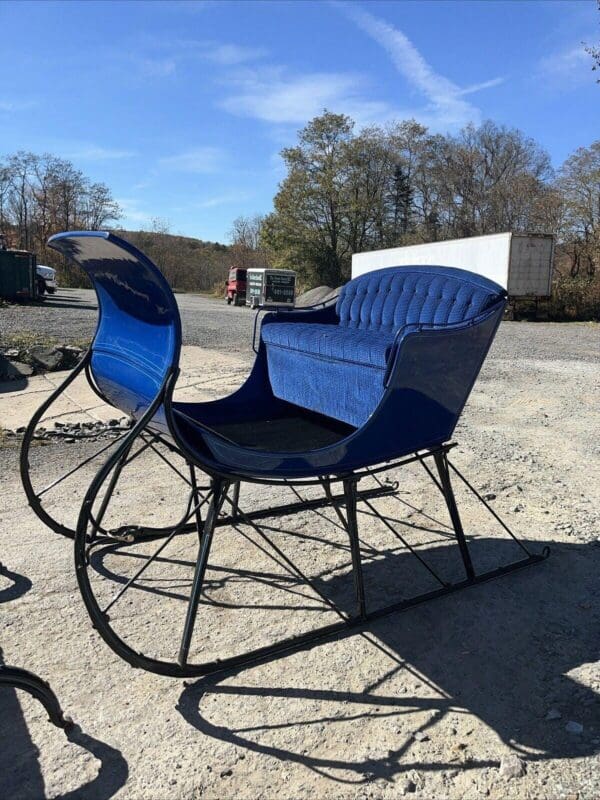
point(320, 294)
point(421, 736)
point(574, 727)
point(452, 773)
point(113, 423)
point(226, 773)
point(553, 713)
point(511, 766)
point(45, 359)
point(407, 786)
point(22, 429)
point(489, 496)
point(11, 353)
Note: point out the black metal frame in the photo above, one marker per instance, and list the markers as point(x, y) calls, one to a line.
point(224, 492)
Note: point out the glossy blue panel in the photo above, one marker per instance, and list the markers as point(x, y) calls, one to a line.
point(139, 332)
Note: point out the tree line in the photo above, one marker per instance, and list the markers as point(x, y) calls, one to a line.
point(41, 195)
point(347, 191)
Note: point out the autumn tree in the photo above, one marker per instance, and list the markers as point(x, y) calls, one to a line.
point(579, 186)
point(347, 192)
point(42, 195)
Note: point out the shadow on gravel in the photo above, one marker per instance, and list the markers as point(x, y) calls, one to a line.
point(19, 585)
point(20, 771)
point(500, 652)
point(59, 301)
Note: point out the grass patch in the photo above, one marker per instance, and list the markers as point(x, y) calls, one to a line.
point(26, 339)
point(5, 439)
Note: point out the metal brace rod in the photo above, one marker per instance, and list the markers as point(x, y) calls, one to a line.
point(219, 492)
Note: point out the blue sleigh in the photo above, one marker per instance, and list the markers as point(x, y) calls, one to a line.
point(337, 394)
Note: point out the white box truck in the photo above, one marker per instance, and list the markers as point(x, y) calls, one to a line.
point(520, 262)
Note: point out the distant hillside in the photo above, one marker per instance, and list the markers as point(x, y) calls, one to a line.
point(188, 264)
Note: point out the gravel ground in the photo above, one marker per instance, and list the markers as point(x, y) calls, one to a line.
point(494, 692)
point(205, 318)
point(70, 316)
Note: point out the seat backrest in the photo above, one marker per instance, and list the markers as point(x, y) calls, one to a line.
point(387, 299)
point(138, 338)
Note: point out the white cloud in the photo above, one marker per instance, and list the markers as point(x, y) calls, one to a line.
point(272, 95)
point(478, 87)
point(162, 57)
point(198, 159)
point(226, 199)
point(156, 67)
point(570, 66)
point(230, 54)
point(90, 152)
point(446, 106)
point(10, 106)
point(132, 213)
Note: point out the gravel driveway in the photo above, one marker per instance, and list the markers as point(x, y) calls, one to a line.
point(494, 692)
point(70, 316)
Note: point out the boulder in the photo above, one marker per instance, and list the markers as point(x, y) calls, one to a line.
point(320, 294)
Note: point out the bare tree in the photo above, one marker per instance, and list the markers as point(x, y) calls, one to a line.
point(579, 185)
point(245, 237)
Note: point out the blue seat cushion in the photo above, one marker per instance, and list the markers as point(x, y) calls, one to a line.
point(332, 370)
point(369, 348)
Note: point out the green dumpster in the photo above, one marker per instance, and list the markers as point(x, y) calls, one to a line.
point(17, 275)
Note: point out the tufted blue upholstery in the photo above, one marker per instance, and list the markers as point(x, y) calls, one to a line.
point(337, 368)
point(387, 299)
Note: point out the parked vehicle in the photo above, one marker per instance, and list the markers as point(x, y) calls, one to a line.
point(271, 288)
point(236, 287)
point(520, 262)
point(46, 280)
point(18, 280)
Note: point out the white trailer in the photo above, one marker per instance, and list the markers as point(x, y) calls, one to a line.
point(270, 288)
point(521, 263)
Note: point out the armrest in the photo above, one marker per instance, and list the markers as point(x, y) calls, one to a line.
point(440, 329)
point(322, 314)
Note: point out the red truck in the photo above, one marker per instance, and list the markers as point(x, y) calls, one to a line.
point(236, 287)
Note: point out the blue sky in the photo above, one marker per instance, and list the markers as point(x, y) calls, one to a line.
point(182, 107)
